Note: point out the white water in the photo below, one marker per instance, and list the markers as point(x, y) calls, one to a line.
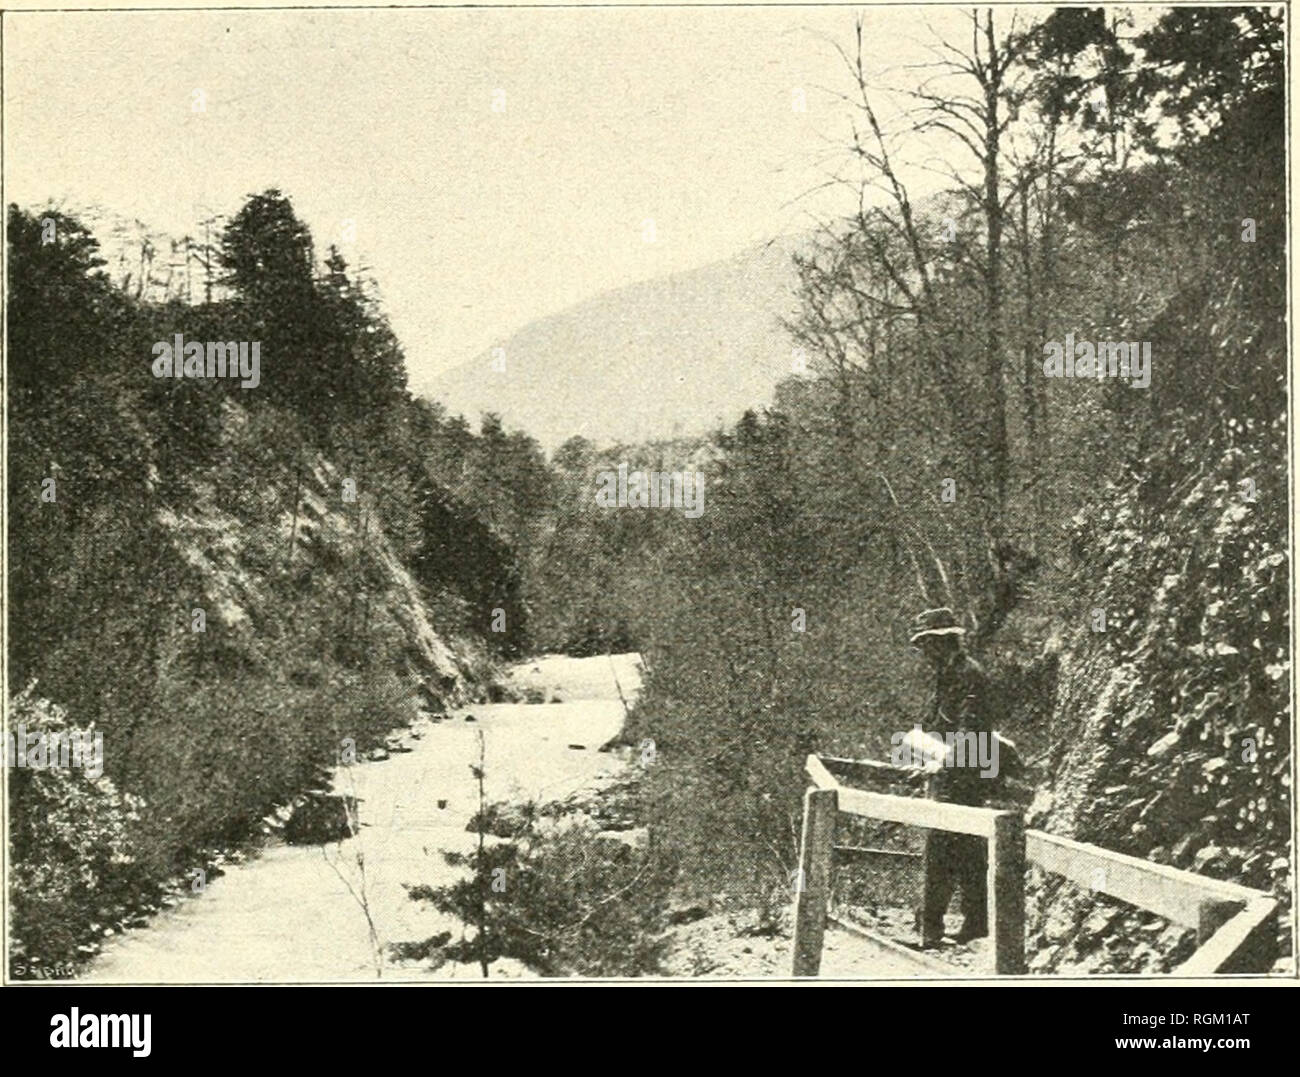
point(286, 915)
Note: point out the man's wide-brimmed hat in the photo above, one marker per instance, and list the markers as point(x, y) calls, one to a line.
point(940, 622)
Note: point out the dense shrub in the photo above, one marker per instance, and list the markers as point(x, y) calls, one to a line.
point(562, 901)
point(69, 844)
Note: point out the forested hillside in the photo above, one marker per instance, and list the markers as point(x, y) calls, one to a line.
point(1119, 553)
point(231, 579)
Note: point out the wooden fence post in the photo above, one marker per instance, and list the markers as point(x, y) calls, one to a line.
point(1254, 953)
point(1260, 949)
point(927, 860)
point(1213, 915)
point(813, 882)
point(1006, 883)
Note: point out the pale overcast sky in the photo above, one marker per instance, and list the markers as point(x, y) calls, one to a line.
point(474, 222)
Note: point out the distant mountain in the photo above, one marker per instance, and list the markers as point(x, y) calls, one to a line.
point(672, 356)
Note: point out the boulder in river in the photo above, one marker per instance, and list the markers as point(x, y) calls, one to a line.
point(319, 818)
point(687, 914)
point(501, 820)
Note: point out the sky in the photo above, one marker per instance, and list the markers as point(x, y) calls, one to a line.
point(497, 165)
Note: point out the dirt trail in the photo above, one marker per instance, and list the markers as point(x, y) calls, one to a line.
point(286, 915)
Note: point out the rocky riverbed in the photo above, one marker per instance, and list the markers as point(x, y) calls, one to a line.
point(302, 912)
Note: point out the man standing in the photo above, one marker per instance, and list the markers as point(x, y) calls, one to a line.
point(963, 703)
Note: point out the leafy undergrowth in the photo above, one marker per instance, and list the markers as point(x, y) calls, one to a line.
point(68, 837)
point(555, 891)
point(1172, 732)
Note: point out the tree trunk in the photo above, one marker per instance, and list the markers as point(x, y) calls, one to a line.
point(996, 444)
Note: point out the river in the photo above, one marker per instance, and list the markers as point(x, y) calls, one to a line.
point(290, 913)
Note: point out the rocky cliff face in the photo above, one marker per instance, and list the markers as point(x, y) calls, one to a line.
point(232, 635)
point(329, 547)
point(1171, 731)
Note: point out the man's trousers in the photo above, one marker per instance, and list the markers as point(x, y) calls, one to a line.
point(954, 861)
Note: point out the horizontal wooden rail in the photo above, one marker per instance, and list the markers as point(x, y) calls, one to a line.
point(859, 854)
point(913, 811)
point(865, 769)
point(924, 964)
point(1175, 894)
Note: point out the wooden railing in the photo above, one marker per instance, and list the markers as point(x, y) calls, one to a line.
point(1236, 926)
